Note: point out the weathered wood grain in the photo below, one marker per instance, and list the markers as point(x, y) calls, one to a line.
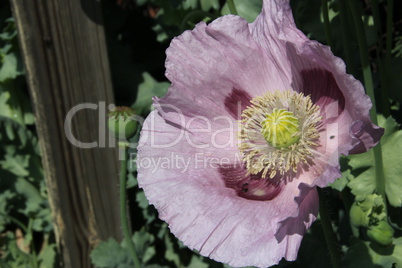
point(65, 57)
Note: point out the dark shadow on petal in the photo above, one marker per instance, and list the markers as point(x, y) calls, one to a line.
point(247, 186)
point(324, 91)
point(308, 204)
point(236, 102)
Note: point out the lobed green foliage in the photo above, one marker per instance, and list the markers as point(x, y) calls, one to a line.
point(138, 32)
point(26, 231)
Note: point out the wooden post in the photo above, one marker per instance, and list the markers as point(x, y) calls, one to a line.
point(64, 51)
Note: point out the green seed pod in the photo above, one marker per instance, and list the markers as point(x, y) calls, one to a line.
point(121, 123)
point(382, 233)
point(358, 217)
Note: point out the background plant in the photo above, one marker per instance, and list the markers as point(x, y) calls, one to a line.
point(138, 32)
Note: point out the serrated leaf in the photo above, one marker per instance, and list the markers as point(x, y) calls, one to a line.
point(143, 245)
point(246, 9)
point(109, 254)
point(170, 253)
point(10, 69)
point(340, 183)
point(364, 171)
point(197, 261)
point(31, 194)
point(146, 91)
point(10, 31)
point(14, 256)
point(5, 197)
point(47, 256)
point(42, 221)
point(366, 254)
point(148, 211)
point(141, 241)
point(16, 164)
point(15, 102)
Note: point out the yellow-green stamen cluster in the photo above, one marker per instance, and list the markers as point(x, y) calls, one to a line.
point(280, 128)
point(279, 133)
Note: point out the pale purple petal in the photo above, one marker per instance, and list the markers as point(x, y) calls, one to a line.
point(209, 215)
point(189, 164)
point(304, 59)
point(315, 71)
point(308, 210)
point(210, 63)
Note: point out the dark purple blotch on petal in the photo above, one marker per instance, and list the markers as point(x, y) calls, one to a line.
point(251, 187)
point(236, 102)
point(321, 86)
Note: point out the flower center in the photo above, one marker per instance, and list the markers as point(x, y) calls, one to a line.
point(279, 133)
point(280, 128)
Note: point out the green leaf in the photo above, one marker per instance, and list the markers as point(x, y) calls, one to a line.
point(31, 194)
point(10, 68)
point(13, 256)
point(47, 256)
point(197, 261)
point(16, 164)
point(363, 169)
point(15, 103)
point(5, 197)
point(190, 4)
point(9, 31)
point(148, 211)
point(142, 241)
point(340, 183)
point(366, 254)
point(170, 253)
point(109, 254)
point(146, 91)
point(208, 4)
point(246, 9)
point(42, 221)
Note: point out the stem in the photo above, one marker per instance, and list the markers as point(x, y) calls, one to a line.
point(34, 258)
point(377, 23)
point(368, 82)
point(329, 234)
point(346, 44)
point(390, 5)
point(123, 208)
point(232, 7)
point(382, 67)
point(327, 25)
point(388, 45)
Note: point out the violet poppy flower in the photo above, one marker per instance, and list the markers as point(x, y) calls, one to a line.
point(257, 115)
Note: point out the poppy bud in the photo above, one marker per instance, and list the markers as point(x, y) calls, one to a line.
point(121, 122)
